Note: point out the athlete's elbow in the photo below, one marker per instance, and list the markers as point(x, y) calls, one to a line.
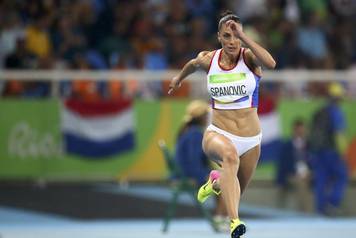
point(271, 64)
point(194, 63)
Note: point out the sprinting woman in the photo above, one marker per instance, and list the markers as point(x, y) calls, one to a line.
point(234, 136)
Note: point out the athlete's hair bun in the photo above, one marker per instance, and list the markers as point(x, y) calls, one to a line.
point(225, 13)
point(226, 16)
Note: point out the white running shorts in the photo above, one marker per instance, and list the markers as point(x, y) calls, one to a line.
point(242, 144)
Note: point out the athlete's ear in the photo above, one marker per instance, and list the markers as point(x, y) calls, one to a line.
point(219, 39)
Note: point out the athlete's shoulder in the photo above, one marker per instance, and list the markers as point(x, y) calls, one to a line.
point(248, 54)
point(206, 54)
point(204, 58)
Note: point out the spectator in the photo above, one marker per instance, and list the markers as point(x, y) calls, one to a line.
point(200, 8)
point(108, 27)
point(293, 169)
point(21, 58)
point(189, 153)
point(328, 143)
point(155, 59)
point(177, 19)
point(66, 40)
point(292, 11)
point(317, 6)
point(250, 8)
point(37, 37)
point(12, 31)
point(312, 41)
point(105, 29)
point(84, 89)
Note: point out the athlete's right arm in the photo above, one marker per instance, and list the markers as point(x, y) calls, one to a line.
point(202, 61)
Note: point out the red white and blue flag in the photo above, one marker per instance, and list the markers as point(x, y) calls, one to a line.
point(271, 129)
point(98, 129)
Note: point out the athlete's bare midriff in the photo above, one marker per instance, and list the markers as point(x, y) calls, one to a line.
point(240, 122)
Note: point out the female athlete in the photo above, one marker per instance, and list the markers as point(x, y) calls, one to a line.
point(234, 136)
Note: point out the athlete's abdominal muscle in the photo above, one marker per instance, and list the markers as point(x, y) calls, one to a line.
point(241, 122)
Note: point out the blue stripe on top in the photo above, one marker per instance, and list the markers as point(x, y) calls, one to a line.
point(238, 100)
point(242, 99)
point(254, 101)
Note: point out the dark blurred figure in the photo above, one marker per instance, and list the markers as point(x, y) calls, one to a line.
point(21, 58)
point(190, 156)
point(189, 152)
point(312, 41)
point(293, 169)
point(328, 142)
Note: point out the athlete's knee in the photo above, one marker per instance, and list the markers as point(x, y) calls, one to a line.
point(230, 156)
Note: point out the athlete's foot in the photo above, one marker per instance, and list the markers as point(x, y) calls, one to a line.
point(222, 223)
point(208, 188)
point(237, 228)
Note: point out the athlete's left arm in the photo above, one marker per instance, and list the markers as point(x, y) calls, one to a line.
point(258, 54)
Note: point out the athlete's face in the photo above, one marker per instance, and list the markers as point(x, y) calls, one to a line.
point(229, 42)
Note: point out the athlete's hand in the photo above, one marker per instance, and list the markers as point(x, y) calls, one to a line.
point(235, 27)
point(175, 84)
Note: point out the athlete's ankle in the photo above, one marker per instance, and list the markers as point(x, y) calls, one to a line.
point(214, 175)
point(216, 185)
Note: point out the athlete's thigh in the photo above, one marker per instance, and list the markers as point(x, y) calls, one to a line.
point(216, 145)
point(248, 163)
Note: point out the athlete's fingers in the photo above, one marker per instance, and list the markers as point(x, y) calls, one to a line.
point(170, 91)
point(232, 25)
point(229, 22)
point(174, 85)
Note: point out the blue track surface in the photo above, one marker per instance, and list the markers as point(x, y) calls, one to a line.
point(23, 224)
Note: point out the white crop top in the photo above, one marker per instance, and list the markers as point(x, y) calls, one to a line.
point(233, 88)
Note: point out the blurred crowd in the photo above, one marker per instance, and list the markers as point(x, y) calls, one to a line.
point(162, 34)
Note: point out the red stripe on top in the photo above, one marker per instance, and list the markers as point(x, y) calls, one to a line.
point(211, 61)
point(237, 61)
point(248, 66)
point(99, 108)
